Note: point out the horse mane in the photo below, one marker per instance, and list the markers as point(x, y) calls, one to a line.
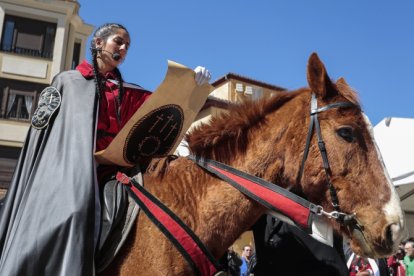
point(227, 134)
point(347, 91)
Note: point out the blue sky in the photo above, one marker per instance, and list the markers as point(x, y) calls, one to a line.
point(370, 42)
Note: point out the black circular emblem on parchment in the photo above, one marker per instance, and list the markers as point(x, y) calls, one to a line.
point(155, 134)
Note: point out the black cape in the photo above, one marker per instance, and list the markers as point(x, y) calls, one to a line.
point(48, 223)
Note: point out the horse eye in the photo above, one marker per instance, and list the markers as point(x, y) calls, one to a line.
point(346, 133)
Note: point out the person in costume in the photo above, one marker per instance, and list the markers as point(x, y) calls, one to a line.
point(50, 223)
point(284, 249)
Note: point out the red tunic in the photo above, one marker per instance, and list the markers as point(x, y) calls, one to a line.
point(108, 122)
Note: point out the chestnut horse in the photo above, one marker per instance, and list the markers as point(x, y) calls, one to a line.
point(267, 139)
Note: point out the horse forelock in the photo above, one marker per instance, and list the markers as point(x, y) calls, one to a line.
point(225, 136)
point(346, 91)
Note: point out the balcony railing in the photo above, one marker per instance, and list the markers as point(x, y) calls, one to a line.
point(27, 52)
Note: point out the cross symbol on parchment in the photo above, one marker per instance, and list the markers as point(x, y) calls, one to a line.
point(160, 118)
point(169, 119)
point(172, 128)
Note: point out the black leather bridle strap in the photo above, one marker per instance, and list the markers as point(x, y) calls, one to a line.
point(308, 139)
point(327, 168)
point(314, 123)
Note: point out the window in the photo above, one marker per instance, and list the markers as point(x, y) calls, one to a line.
point(8, 161)
point(19, 104)
point(76, 55)
point(28, 37)
point(8, 36)
point(18, 99)
point(257, 93)
point(49, 41)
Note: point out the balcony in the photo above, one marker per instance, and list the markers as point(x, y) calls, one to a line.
point(28, 52)
point(28, 37)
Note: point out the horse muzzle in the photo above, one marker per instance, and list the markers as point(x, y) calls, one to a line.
point(377, 245)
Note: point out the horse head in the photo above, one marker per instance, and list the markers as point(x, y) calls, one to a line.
point(269, 139)
point(356, 170)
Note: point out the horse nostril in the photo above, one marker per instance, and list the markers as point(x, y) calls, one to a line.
point(388, 235)
point(391, 234)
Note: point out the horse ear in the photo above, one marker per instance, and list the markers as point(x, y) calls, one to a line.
point(341, 81)
point(346, 91)
point(318, 78)
point(342, 86)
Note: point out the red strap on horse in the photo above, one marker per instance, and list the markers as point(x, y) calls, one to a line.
point(273, 197)
point(193, 250)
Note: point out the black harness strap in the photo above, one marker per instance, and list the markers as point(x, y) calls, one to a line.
point(314, 122)
point(187, 243)
point(269, 195)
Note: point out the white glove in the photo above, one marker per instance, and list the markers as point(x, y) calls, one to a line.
point(202, 75)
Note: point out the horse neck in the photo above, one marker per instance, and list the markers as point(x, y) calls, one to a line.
point(275, 148)
point(213, 209)
point(264, 138)
point(217, 212)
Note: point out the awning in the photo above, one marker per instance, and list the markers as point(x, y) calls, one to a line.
point(395, 139)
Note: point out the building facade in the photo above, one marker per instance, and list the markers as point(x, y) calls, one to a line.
point(38, 39)
point(235, 88)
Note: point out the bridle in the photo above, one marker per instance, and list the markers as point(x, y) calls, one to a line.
point(343, 218)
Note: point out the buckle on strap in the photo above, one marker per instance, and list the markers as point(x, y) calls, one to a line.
point(123, 178)
point(342, 218)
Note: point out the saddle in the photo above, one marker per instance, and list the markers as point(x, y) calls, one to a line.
point(119, 212)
